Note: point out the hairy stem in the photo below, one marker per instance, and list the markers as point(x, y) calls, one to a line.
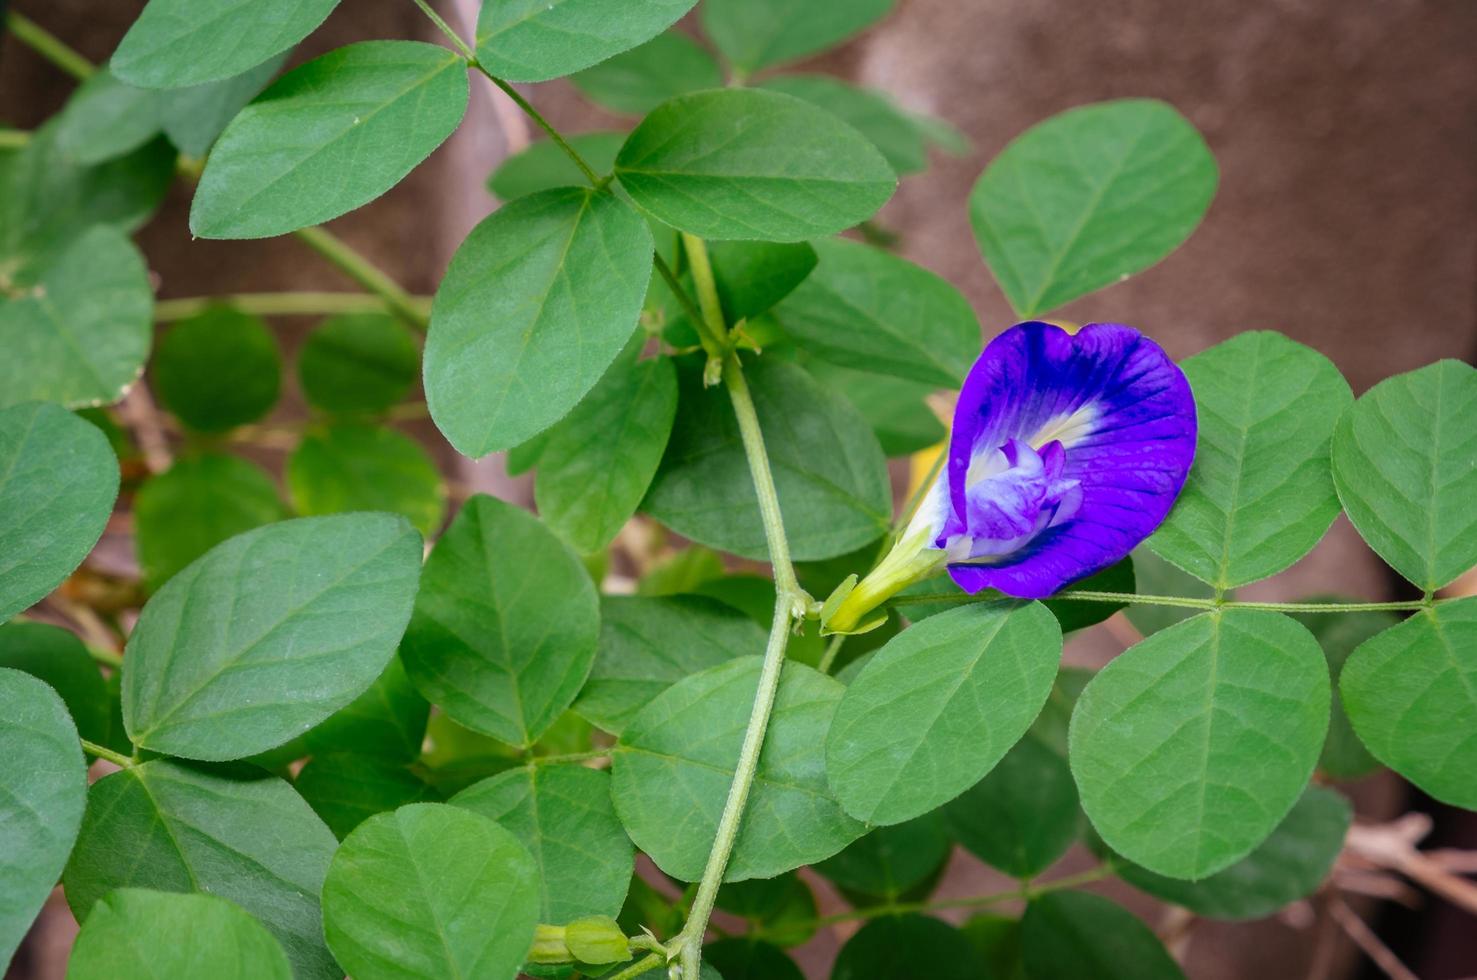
point(103, 752)
point(49, 46)
point(445, 28)
point(365, 273)
point(1183, 602)
point(829, 657)
point(284, 304)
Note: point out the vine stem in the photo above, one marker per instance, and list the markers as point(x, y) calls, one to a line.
point(365, 273)
point(1187, 602)
point(49, 46)
point(103, 752)
point(305, 303)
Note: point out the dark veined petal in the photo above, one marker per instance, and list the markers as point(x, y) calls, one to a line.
point(1123, 414)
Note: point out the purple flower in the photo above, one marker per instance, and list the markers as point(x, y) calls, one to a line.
point(1067, 451)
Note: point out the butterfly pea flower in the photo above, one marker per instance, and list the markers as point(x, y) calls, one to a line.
point(1067, 450)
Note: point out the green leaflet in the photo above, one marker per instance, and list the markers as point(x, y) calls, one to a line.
point(1023, 815)
point(344, 468)
point(891, 864)
point(1191, 746)
point(268, 634)
point(1403, 464)
point(741, 958)
point(43, 788)
point(781, 909)
point(1411, 695)
point(219, 369)
point(893, 131)
point(539, 299)
point(106, 118)
point(639, 80)
point(904, 947)
point(938, 706)
point(250, 840)
point(754, 34)
point(543, 165)
point(57, 657)
point(895, 408)
point(346, 788)
point(564, 816)
point(58, 481)
point(404, 897)
point(505, 624)
point(387, 721)
point(745, 163)
point(535, 40)
point(1260, 494)
point(328, 137)
point(675, 760)
point(134, 932)
point(358, 363)
point(1340, 634)
point(172, 45)
point(195, 117)
point(1087, 937)
point(1089, 197)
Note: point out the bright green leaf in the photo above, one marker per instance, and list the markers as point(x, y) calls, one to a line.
point(536, 40)
point(58, 657)
point(895, 408)
point(195, 117)
point(268, 634)
point(895, 133)
point(639, 80)
point(1087, 937)
point(745, 163)
point(328, 137)
point(347, 467)
point(358, 363)
point(544, 165)
point(1023, 815)
point(175, 43)
point(387, 721)
point(1191, 746)
point(346, 788)
point(219, 369)
point(1089, 197)
point(754, 34)
point(890, 863)
point(905, 947)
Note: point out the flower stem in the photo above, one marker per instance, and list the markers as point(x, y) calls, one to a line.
point(365, 273)
point(829, 657)
point(102, 752)
point(1183, 602)
point(283, 304)
point(49, 46)
point(639, 967)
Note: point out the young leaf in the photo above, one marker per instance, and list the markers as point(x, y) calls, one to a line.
point(106, 118)
point(174, 43)
point(1402, 462)
point(867, 310)
point(348, 467)
point(76, 330)
point(1089, 197)
point(268, 634)
point(1260, 494)
point(358, 363)
point(1411, 694)
point(639, 80)
point(193, 506)
point(675, 761)
point(1191, 746)
point(754, 34)
point(540, 298)
point(250, 840)
point(345, 789)
point(328, 137)
point(895, 408)
point(938, 706)
point(536, 40)
point(134, 932)
point(649, 644)
point(828, 469)
point(195, 117)
point(388, 721)
point(890, 863)
point(218, 369)
point(58, 481)
point(592, 473)
point(544, 165)
point(1340, 634)
point(43, 789)
point(1023, 815)
point(57, 656)
point(505, 625)
point(564, 816)
point(1289, 865)
point(430, 890)
point(744, 163)
point(894, 132)
point(904, 947)
point(1087, 937)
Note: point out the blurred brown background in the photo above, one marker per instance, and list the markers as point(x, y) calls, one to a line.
point(1347, 140)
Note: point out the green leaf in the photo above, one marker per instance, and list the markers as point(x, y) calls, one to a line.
point(106, 118)
point(1087, 937)
point(895, 408)
point(598, 463)
point(684, 571)
point(58, 657)
point(1088, 198)
point(870, 311)
point(1023, 815)
point(134, 932)
point(430, 890)
point(830, 473)
point(387, 721)
point(675, 761)
point(1339, 634)
point(1289, 865)
point(505, 625)
point(218, 369)
point(754, 595)
point(750, 959)
point(891, 863)
point(781, 909)
point(196, 504)
point(349, 467)
point(893, 131)
point(79, 331)
point(58, 481)
point(564, 816)
point(251, 840)
point(1402, 462)
point(1260, 494)
point(1192, 745)
point(1411, 695)
point(358, 363)
point(536, 40)
point(639, 80)
point(744, 163)
point(328, 137)
point(754, 34)
point(751, 277)
point(997, 944)
point(268, 634)
point(649, 644)
point(544, 165)
point(43, 789)
point(174, 43)
point(345, 789)
point(195, 117)
point(938, 706)
point(538, 301)
point(905, 947)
